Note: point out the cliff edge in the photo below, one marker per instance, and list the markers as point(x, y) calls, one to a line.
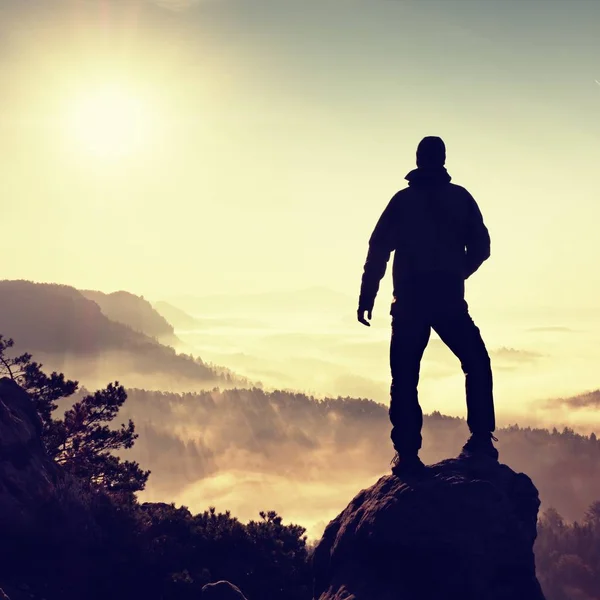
point(27, 475)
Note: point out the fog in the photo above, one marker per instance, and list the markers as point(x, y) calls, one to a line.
point(213, 431)
point(248, 450)
point(166, 371)
point(316, 346)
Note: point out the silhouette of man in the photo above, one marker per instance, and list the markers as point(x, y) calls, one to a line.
point(439, 238)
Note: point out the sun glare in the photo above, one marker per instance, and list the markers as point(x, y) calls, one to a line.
point(109, 122)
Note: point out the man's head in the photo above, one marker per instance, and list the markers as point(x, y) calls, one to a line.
point(431, 152)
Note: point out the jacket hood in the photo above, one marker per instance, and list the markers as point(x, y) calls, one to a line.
point(428, 176)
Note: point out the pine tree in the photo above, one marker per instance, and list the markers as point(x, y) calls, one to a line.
point(82, 441)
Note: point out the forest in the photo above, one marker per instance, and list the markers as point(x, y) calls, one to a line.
point(161, 550)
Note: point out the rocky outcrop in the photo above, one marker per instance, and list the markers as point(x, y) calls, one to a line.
point(27, 475)
point(463, 529)
point(222, 590)
point(15, 594)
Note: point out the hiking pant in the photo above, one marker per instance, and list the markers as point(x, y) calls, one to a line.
point(411, 328)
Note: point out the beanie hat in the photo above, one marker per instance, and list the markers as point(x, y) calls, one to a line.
point(431, 152)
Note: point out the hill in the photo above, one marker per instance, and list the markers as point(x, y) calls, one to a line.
point(70, 333)
point(135, 312)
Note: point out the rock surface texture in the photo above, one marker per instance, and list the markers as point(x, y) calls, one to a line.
point(464, 530)
point(26, 472)
point(222, 590)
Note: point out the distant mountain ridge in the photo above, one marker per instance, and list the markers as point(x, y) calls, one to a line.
point(135, 312)
point(58, 318)
point(68, 331)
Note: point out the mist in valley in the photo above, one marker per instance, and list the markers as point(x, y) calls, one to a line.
point(310, 341)
point(278, 401)
point(304, 456)
point(251, 450)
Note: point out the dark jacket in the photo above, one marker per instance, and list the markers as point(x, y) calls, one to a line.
point(437, 232)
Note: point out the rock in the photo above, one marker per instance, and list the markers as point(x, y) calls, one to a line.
point(10, 593)
point(27, 474)
point(464, 530)
point(222, 590)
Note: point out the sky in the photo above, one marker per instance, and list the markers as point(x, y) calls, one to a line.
point(182, 147)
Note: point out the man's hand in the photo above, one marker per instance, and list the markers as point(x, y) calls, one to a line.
point(361, 316)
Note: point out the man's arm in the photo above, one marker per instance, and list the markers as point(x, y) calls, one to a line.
point(478, 240)
point(381, 245)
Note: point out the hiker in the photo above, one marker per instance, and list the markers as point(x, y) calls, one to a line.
point(437, 233)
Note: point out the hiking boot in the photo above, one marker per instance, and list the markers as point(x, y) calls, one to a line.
point(407, 464)
point(480, 444)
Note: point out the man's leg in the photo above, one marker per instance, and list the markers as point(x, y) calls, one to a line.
point(458, 331)
point(410, 334)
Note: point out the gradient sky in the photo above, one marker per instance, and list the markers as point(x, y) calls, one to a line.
point(274, 132)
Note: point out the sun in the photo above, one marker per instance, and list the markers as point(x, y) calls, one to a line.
point(109, 121)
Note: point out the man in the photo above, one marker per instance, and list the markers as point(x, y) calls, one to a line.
point(439, 238)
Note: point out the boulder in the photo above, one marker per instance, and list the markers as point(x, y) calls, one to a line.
point(463, 529)
point(27, 474)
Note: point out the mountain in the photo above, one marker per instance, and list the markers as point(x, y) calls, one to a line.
point(135, 312)
point(69, 332)
point(59, 319)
